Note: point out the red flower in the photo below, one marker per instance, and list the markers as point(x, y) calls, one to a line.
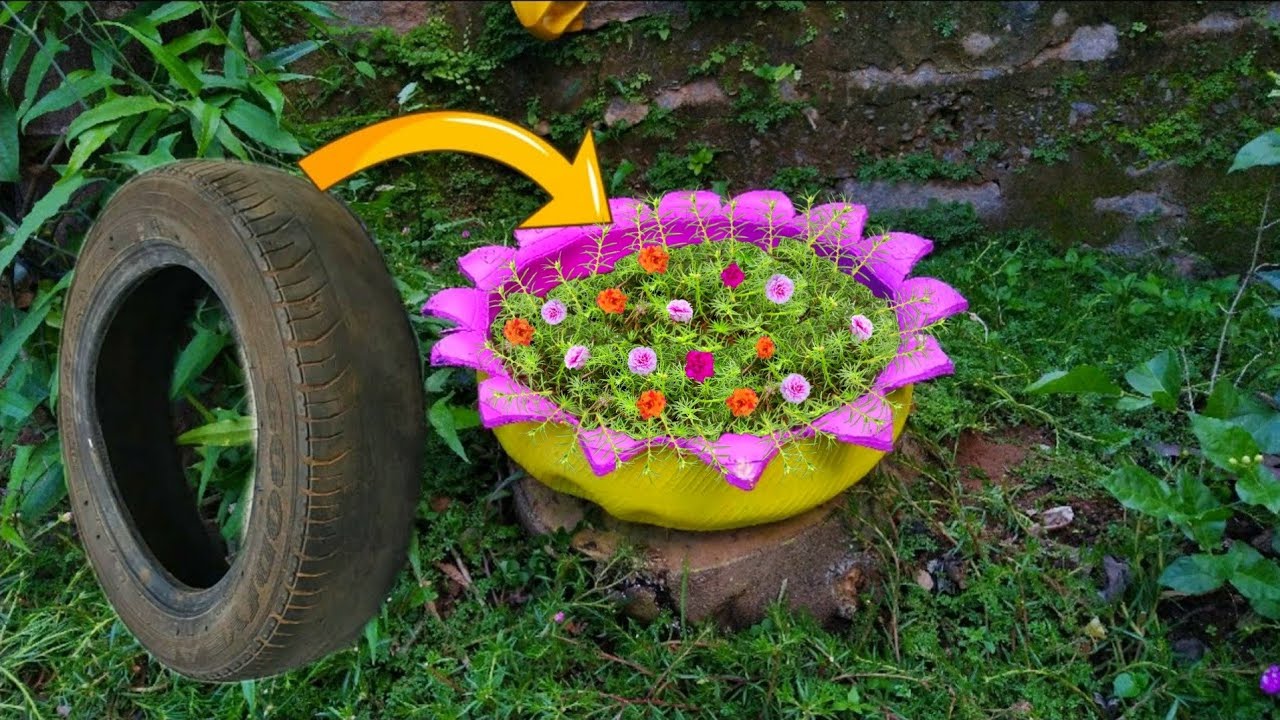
point(518, 331)
point(651, 404)
point(765, 348)
point(612, 301)
point(742, 402)
point(654, 259)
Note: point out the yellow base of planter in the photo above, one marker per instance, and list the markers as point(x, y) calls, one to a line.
point(681, 492)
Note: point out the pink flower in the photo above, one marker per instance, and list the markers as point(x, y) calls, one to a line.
point(861, 327)
point(794, 388)
point(732, 276)
point(576, 357)
point(466, 234)
point(1270, 682)
point(680, 311)
point(559, 617)
point(779, 289)
point(642, 360)
point(554, 312)
point(699, 366)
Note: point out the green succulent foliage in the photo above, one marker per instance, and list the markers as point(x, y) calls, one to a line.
point(811, 334)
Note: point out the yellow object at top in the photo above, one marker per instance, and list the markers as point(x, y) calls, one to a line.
point(550, 20)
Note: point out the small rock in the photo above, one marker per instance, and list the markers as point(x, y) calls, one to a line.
point(924, 580)
point(699, 92)
point(1188, 650)
point(1060, 18)
point(976, 44)
point(1139, 204)
point(620, 110)
point(1117, 572)
point(1092, 43)
point(64, 710)
point(1057, 518)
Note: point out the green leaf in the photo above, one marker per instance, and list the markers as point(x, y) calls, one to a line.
point(231, 142)
point(270, 92)
point(45, 208)
point(1228, 403)
point(178, 71)
point(205, 36)
point(261, 126)
point(1157, 379)
point(40, 65)
point(231, 432)
point(80, 85)
point(171, 11)
point(1197, 512)
point(285, 55)
point(16, 406)
point(1130, 685)
point(1139, 490)
point(1256, 577)
point(233, 65)
point(1224, 443)
point(442, 419)
point(1257, 486)
point(9, 149)
point(205, 119)
point(18, 44)
point(87, 144)
point(1129, 403)
point(112, 110)
point(44, 485)
point(161, 155)
point(1197, 574)
point(437, 381)
point(195, 358)
point(1260, 151)
point(366, 69)
point(1080, 380)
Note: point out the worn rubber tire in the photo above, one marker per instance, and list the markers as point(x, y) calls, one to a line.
point(334, 380)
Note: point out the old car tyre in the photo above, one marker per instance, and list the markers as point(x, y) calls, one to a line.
point(333, 377)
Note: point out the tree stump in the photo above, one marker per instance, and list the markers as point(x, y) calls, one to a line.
point(810, 561)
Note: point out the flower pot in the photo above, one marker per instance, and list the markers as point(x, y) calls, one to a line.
point(672, 490)
point(711, 471)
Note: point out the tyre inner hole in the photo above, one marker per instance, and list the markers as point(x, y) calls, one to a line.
point(174, 412)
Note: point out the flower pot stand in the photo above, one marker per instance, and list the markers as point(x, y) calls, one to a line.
point(809, 561)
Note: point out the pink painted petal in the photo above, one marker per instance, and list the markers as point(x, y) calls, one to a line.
point(868, 421)
point(533, 236)
point(578, 255)
point(837, 225)
point(466, 348)
point(467, 307)
point(487, 267)
point(629, 212)
point(761, 207)
point(605, 449)
point(924, 301)
point(689, 203)
point(919, 358)
point(504, 401)
point(886, 261)
point(743, 458)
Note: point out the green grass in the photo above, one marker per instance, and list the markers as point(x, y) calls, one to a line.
point(1008, 642)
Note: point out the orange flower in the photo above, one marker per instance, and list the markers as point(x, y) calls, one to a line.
point(742, 402)
point(764, 348)
point(612, 301)
point(654, 259)
point(518, 331)
point(651, 404)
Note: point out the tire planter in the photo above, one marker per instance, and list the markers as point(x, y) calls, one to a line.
point(697, 483)
point(333, 378)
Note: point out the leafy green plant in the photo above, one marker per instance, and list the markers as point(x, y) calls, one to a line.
point(198, 93)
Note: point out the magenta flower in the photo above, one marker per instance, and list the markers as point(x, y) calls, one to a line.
point(576, 357)
point(699, 366)
point(554, 312)
point(559, 617)
point(1270, 682)
point(732, 276)
point(861, 327)
point(466, 234)
point(642, 360)
point(680, 311)
point(795, 388)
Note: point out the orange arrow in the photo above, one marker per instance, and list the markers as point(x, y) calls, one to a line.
point(576, 189)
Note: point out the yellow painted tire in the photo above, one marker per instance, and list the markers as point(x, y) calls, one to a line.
point(679, 491)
